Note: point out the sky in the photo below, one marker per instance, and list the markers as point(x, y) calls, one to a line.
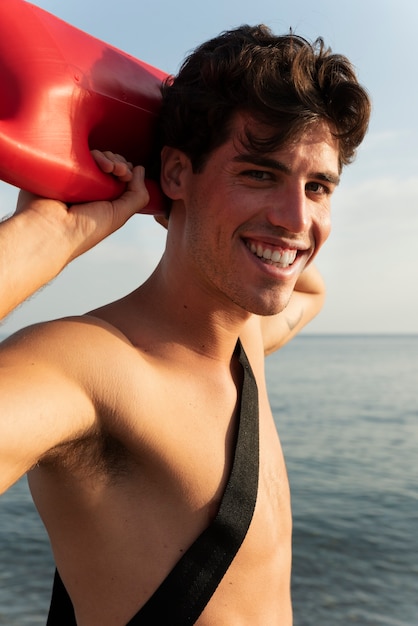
point(370, 262)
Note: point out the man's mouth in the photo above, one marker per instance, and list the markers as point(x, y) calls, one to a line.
point(280, 258)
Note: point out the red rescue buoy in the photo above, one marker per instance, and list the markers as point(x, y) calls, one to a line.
point(63, 93)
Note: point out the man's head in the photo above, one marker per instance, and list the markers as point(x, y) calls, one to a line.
point(283, 82)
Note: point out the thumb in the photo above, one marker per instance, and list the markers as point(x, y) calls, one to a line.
point(92, 222)
point(134, 199)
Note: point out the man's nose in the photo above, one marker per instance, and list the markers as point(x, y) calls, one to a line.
point(290, 210)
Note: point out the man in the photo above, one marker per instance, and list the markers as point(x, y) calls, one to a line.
point(145, 426)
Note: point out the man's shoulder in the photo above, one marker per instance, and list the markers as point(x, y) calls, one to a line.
point(66, 332)
point(81, 348)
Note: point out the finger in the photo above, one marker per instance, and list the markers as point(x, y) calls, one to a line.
point(103, 161)
point(111, 163)
point(117, 158)
point(123, 170)
point(136, 196)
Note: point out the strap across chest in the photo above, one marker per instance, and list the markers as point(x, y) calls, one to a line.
point(183, 595)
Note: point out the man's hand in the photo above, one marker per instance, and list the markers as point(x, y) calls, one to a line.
point(81, 226)
point(44, 235)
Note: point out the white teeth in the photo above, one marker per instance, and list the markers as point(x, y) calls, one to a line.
point(283, 259)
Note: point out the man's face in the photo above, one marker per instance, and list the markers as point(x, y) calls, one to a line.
point(254, 221)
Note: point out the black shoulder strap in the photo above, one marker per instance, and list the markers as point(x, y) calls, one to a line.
point(61, 611)
point(183, 595)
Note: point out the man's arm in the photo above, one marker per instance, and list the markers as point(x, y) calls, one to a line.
point(306, 302)
point(43, 400)
point(43, 236)
point(44, 397)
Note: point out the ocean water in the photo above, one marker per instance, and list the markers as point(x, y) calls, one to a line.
point(347, 412)
point(346, 408)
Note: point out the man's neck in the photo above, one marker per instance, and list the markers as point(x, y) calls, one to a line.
point(183, 315)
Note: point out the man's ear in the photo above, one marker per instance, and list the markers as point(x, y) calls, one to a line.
point(175, 166)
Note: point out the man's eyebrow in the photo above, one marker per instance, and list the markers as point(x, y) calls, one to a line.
point(264, 161)
point(327, 177)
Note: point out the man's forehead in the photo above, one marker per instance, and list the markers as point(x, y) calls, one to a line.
point(246, 132)
point(244, 124)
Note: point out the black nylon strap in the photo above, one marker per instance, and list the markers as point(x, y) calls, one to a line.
point(183, 595)
point(61, 612)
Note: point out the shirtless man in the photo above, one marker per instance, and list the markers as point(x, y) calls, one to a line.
point(129, 419)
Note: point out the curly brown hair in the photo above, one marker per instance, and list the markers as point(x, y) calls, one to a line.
point(283, 82)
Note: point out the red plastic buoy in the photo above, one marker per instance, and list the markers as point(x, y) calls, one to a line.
point(63, 93)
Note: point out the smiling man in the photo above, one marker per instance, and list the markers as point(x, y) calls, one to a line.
point(256, 221)
point(145, 425)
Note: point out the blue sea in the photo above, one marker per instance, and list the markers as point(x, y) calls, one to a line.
point(346, 408)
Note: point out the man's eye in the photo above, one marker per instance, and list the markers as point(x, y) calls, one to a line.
point(258, 174)
point(318, 188)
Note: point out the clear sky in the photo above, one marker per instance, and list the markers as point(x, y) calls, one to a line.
point(370, 263)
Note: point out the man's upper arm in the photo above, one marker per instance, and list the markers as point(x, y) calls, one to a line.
point(41, 404)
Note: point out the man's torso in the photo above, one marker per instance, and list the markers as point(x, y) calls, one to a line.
point(125, 501)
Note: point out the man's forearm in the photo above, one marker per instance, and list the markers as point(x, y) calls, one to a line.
point(44, 235)
point(29, 258)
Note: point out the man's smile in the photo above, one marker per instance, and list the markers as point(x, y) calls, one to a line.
point(272, 256)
